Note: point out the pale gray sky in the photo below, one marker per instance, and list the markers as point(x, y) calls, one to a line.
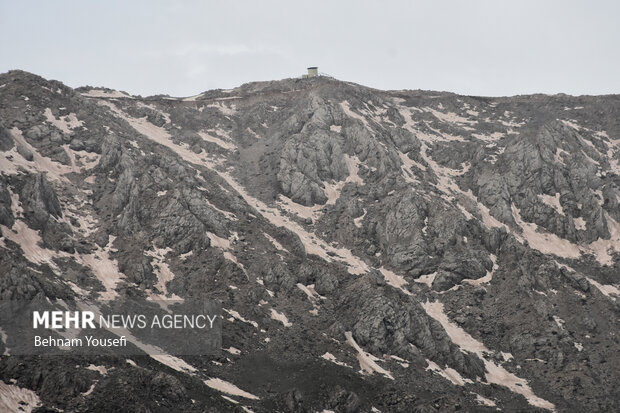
point(184, 47)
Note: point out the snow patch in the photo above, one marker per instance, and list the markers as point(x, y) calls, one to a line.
point(495, 373)
point(105, 269)
point(66, 123)
point(489, 275)
point(450, 117)
point(152, 107)
point(229, 388)
point(552, 201)
point(236, 316)
point(332, 358)
point(466, 213)
point(173, 362)
point(274, 242)
point(17, 399)
point(406, 166)
point(332, 190)
point(153, 351)
point(602, 247)
point(607, 290)
point(426, 279)
point(302, 211)
point(571, 124)
point(251, 132)
point(484, 401)
point(367, 361)
point(229, 215)
point(28, 239)
point(493, 137)
point(312, 295)
point(224, 109)
point(448, 373)
point(545, 242)
point(90, 390)
point(100, 369)
point(580, 223)
point(224, 245)
point(230, 399)
point(233, 350)
point(11, 161)
point(396, 281)
point(488, 220)
point(346, 108)
point(358, 221)
point(275, 315)
point(311, 242)
point(229, 146)
point(163, 273)
point(111, 94)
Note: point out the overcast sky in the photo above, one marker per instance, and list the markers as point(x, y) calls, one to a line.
point(185, 47)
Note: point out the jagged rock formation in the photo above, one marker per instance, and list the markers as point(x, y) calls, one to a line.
point(392, 251)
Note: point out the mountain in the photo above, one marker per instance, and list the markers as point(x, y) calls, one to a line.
point(390, 251)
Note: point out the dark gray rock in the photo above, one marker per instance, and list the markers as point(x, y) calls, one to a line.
point(538, 156)
point(25, 152)
point(386, 323)
point(39, 201)
point(279, 278)
point(6, 214)
point(6, 140)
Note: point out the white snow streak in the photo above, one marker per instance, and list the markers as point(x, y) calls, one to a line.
point(229, 388)
point(17, 399)
point(367, 361)
point(495, 373)
point(276, 315)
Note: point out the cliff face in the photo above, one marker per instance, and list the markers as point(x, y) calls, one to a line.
point(395, 250)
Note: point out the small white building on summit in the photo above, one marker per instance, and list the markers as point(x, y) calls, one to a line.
point(313, 71)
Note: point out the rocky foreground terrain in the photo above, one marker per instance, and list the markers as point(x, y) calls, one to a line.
point(393, 251)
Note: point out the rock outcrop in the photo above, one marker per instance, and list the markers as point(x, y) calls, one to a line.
point(395, 251)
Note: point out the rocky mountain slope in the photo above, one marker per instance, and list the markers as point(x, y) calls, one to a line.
point(390, 251)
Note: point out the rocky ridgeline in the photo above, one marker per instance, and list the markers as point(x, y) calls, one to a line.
point(396, 251)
